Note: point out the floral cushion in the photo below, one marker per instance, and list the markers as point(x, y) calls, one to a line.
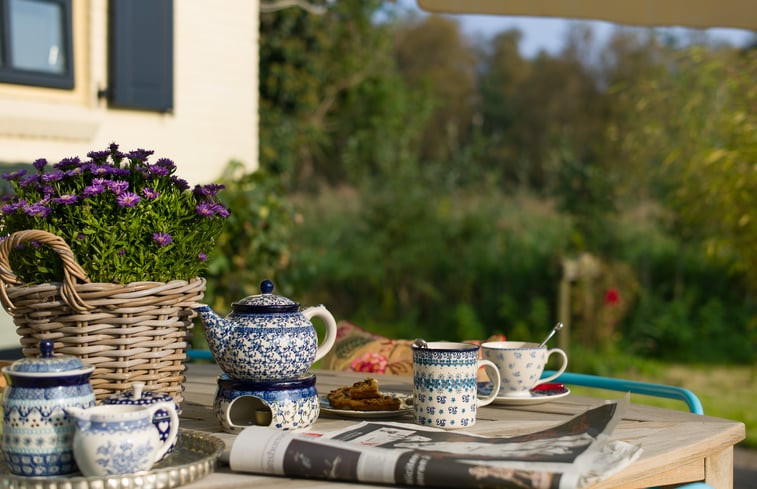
point(358, 350)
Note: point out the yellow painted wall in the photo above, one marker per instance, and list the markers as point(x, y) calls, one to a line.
point(215, 117)
point(215, 96)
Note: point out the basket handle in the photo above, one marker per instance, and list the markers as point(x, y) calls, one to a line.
point(71, 269)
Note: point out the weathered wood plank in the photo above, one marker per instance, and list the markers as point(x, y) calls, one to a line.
point(677, 446)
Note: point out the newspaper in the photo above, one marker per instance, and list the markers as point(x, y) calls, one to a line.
point(571, 455)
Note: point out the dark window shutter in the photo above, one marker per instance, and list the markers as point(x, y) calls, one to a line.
point(141, 54)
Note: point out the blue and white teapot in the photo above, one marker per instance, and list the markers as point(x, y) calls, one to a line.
point(266, 337)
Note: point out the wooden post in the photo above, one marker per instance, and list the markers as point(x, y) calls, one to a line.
point(569, 275)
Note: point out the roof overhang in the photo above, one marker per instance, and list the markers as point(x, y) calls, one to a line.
point(740, 14)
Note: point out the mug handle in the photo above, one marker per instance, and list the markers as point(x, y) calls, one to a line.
point(559, 371)
point(173, 430)
point(493, 372)
point(330, 338)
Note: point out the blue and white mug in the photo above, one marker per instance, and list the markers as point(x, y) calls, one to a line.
point(521, 365)
point(445, 376)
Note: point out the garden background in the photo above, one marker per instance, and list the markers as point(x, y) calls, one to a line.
point(424, 184)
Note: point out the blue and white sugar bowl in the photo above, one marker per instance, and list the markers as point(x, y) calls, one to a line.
point(266, 337)
point(37, 432)
point(138, 396)
point(288, 405)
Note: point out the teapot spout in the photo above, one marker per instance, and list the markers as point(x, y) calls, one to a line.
point(216, 329)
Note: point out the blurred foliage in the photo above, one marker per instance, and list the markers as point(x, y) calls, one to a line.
point(444, 182)
point(256, 242)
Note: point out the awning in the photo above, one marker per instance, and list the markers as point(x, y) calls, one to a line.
point(741, 14)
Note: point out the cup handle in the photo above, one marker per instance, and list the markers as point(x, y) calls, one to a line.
point(493, 372)
point(559, 371)
point(173, 431)
point(330, 337)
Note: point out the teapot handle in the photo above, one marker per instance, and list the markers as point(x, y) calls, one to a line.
point(330, 337)
point(173, 431)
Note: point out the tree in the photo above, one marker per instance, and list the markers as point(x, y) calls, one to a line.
point(308, 65)
point(433, 55)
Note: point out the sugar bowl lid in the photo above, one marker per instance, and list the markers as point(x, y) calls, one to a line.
point(266, 302)
point(137, 396)
point(47, 363)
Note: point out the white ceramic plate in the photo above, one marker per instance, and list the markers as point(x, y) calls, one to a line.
point(406, 407)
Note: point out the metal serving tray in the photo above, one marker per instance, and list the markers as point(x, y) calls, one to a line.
point(193, 458)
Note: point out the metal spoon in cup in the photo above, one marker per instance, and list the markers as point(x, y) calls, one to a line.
point(557, 328)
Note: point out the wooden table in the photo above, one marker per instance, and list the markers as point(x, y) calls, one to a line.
point(678, 446)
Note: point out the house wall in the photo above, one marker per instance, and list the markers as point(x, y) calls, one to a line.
point(215, 100)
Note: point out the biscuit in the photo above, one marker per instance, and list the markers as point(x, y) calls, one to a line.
point(362, 396)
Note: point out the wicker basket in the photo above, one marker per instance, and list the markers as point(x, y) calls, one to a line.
point(130, 333)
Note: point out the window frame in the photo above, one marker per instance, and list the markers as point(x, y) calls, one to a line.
point(10, 74)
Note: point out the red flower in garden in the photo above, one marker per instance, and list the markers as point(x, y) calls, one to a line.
point(612, 297)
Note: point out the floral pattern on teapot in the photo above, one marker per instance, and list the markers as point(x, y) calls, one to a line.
point(266, 337)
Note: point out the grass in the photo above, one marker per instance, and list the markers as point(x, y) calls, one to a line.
point(725, 391)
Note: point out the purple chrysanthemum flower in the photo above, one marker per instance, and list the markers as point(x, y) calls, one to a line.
point(165, 163)
point(157, 171)
point(12, 207)
point(67, 163)
point(139, 154)
point(220, 210)
point(94, 189)
point(66, 199)
point(48, 190)
point(202, 256)
point(179, 182)
point(14, 175)
point(120, 172)
point(163, 239)
point(29, 181)
point(75, 171)
point(51, 177)
point(121, 252)
point(37, 209)
point(150, 193)
point(99, 156)
point(117, 186)
point(81, 236)
point(207, 191)
point(39, 164)
point(205, 209)
point(101, 170)
point(128, 199)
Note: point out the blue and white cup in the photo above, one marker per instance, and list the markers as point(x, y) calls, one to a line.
point(521, 365)
point(445, 384)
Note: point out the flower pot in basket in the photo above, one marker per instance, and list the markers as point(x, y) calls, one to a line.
point(133, 332)
point(103, 256)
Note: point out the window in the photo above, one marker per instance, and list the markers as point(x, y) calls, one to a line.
point(35, 43)
point(141, 55)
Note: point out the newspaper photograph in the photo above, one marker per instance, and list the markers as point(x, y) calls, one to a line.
point(570, 455)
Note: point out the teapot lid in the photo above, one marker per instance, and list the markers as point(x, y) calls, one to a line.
point(266, 302)
point(47, 362)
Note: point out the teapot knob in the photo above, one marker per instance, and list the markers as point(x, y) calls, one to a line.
point(46, 348)
point(266, 287)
